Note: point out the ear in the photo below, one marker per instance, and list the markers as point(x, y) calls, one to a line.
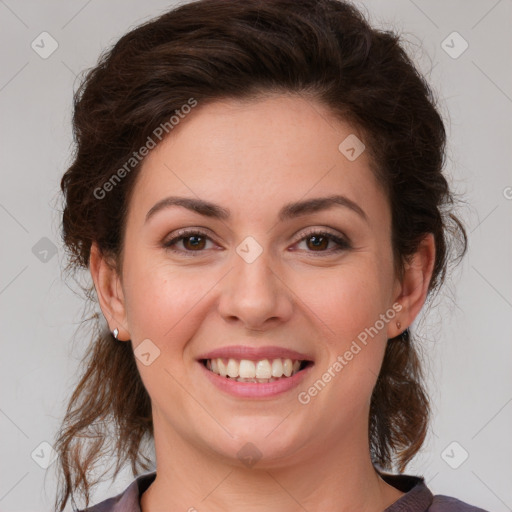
point(109, 291)
point(412, 289)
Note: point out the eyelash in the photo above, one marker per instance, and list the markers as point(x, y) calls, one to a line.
point(343, 243)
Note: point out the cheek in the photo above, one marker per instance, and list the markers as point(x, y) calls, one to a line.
point(350, 304)
point(159, 299)
point(163, 305)
point(349, 299)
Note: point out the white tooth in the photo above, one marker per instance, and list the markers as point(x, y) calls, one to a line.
point(287, 367)
point(247, 369)
point(277, 368)
point(222, 367)
point(232, 368)
point(263, 369)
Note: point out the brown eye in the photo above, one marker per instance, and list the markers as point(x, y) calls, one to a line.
point(318, 242)
point(194, 242)
point(191, 242)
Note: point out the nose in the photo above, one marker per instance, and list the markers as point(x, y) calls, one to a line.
point(254, 295)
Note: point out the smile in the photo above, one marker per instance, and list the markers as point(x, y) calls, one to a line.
point(261, 371)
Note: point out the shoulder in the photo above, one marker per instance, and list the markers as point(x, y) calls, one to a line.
point(112, 504)
point(126, 501)
point(417, 497)
point(441, 503)
point(107, 505)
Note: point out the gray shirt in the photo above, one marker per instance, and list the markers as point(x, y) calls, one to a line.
point(417, 497)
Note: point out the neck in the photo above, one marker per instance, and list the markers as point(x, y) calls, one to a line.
point(332, 478)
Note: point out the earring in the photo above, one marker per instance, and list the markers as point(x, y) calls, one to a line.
point(115, 332)
point(398, 325)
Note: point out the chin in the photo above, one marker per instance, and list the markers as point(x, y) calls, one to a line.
point(263, 441)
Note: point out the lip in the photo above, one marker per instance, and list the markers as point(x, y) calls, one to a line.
point(253, 389)
point(255, 353)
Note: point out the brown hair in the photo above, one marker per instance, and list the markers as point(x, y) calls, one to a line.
point(218, 49)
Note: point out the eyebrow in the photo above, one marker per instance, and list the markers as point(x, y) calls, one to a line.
point(287, 212)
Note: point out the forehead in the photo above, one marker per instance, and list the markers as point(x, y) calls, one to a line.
point(257, 153)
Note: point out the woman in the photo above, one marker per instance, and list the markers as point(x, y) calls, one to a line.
point(258, 195)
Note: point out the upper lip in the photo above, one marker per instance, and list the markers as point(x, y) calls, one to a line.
point(255, 353)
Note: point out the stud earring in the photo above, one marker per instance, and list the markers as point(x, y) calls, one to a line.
point(115, 332)
point(398, 325)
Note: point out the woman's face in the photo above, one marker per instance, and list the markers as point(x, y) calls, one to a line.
point(256, 276)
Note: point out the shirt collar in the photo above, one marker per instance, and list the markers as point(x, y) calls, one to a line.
point(129, 500)
point(417, 497)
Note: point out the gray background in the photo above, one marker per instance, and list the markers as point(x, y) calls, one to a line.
point(467, 337)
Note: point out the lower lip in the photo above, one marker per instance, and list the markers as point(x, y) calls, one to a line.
point(253, 389)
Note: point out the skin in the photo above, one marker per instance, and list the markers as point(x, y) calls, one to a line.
point(253, 157)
